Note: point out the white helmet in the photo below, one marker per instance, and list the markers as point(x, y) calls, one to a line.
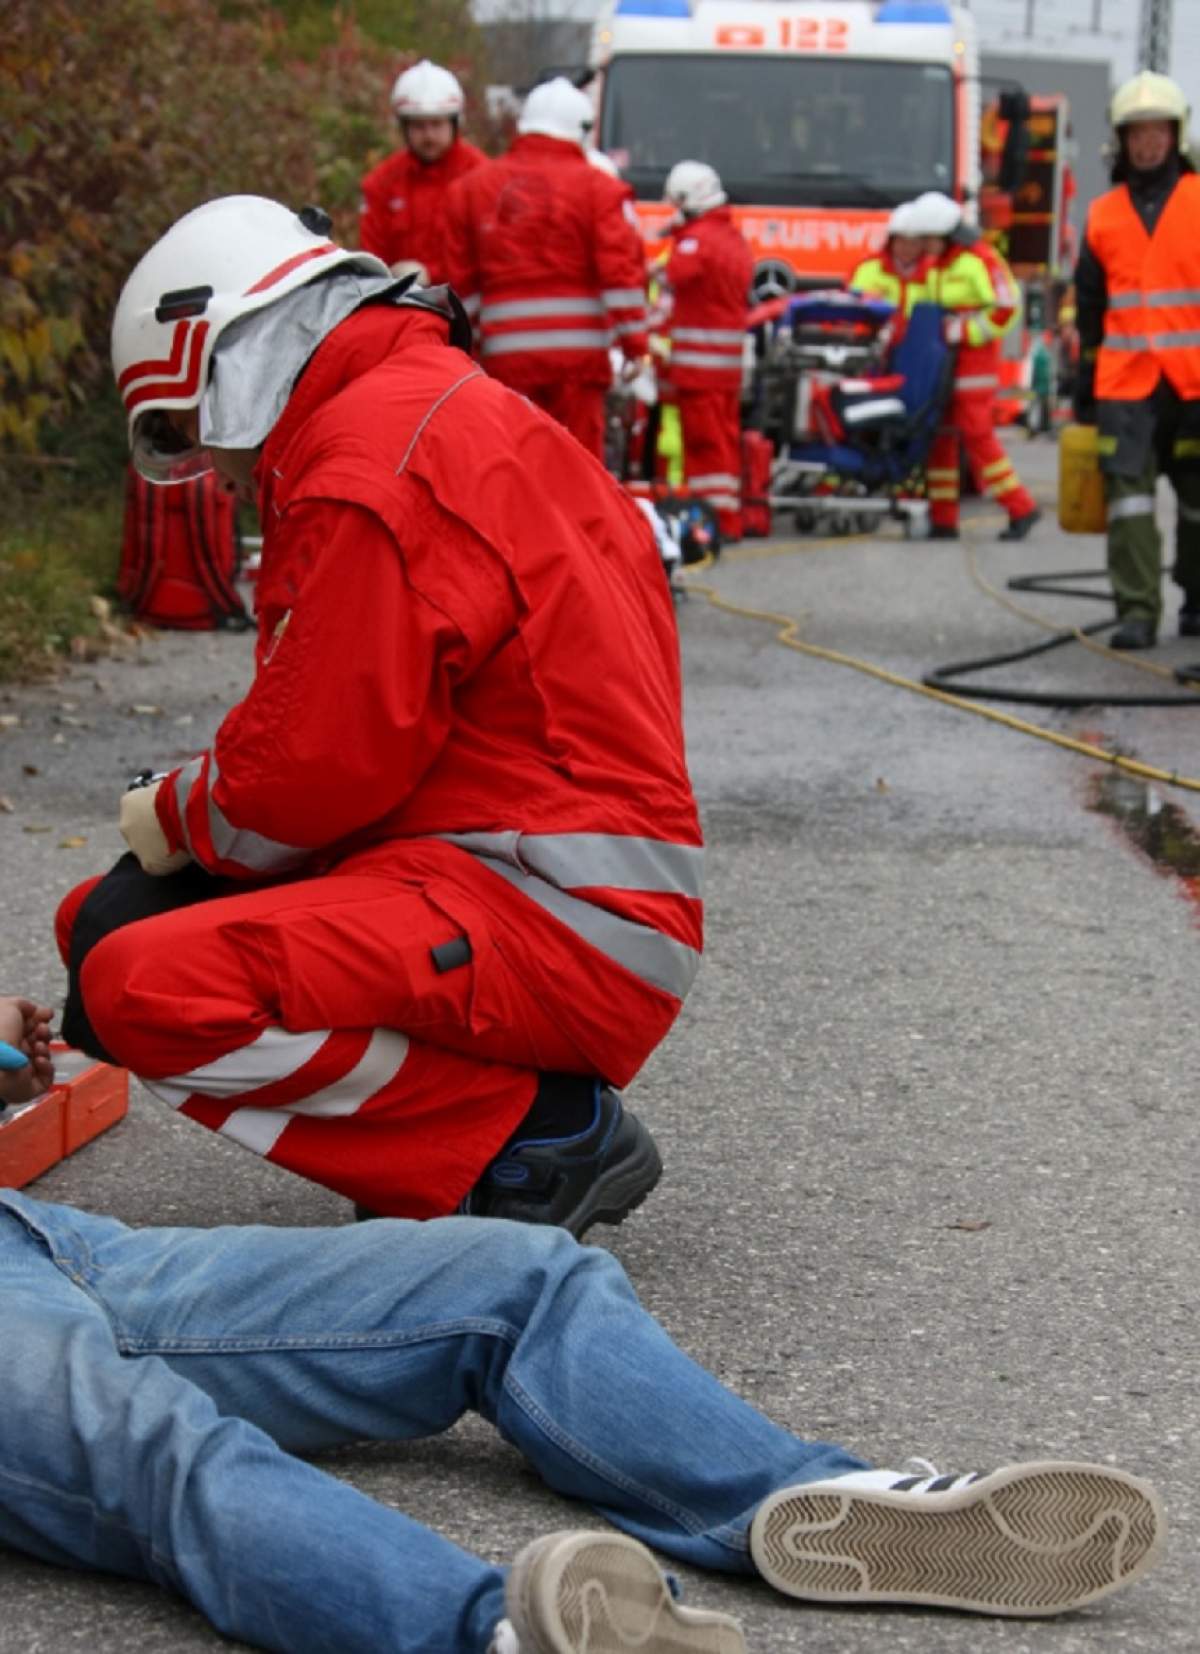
point(556, 109)
point(901, 220)
point(1149, 97)
point(427, 91)
point(933, 214)
point(694, 187)
point(223, 260)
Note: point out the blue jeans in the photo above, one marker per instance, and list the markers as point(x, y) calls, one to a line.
point(155, 1383)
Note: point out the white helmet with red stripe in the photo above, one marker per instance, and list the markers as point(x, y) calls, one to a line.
point(219, 262)
point(427, 92)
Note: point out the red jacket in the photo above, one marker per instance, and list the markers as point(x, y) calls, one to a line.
point(539, 250)
point(477, 696)
point(403, 202)
point(709, 273)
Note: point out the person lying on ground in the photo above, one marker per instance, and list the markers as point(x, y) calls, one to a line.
point(161, 1384)
point(433, 893)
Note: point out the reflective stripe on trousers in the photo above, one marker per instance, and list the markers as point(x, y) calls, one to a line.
point(1133, 505)
point(547, 866)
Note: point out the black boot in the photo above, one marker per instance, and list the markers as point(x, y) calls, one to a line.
point(597, 1175)
point(1136, 633)
point(1019, 527)
point(1189, 615)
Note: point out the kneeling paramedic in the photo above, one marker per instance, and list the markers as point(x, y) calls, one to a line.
point(434, 890)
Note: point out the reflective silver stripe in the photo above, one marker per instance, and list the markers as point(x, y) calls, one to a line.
point(471, 304)
point(184, 782)
point(709, 335)
point(639, 326)
point(976, 382)
point(1184, 340)
point(259, 1129)
point(705, 359)
point(520, 310)
point(1189, 513)
point(657, 959)
point(567, 338)
point(596, 861)
point(721, 502)
point(274, 1055)
point(623, 298)
point(242, 844)
point(713, 479)
point(1163, 299)
point(1133, 505)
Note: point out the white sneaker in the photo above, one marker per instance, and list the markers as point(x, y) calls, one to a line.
point(603, 1593)
point(1037, 1538)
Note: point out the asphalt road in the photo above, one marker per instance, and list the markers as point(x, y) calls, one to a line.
point(929, 1126)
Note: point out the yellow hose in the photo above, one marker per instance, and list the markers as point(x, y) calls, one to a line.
point(787, 635)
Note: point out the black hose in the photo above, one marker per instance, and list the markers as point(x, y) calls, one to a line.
point(950, 678)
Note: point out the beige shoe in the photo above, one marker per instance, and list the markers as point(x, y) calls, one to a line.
point(603, 1593)
point(1038, 1538)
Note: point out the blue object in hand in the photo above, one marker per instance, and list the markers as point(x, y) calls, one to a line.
point(11, 1058)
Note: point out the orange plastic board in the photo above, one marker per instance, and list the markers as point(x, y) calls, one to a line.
point(88, 1097)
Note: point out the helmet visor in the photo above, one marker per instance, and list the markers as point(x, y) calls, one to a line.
point(163, 454)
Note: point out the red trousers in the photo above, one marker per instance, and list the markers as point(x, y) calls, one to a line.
point(308, 1022)
point(579, 407)
point(712, 452)
point(969, 421)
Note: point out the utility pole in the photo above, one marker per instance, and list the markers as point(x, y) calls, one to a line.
point(1154, 35)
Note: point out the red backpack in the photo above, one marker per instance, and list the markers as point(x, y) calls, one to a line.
point(758, 456)
point(180, 554)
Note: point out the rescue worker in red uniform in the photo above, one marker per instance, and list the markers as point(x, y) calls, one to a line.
point(448, 842)
point(1138, 293)
point(540, 251)
point(404, 196)
point(707, 278)
point(974, 285)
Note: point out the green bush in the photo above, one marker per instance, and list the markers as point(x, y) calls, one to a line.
point(120, 116)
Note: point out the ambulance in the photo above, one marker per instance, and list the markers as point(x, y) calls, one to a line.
point(819, 115)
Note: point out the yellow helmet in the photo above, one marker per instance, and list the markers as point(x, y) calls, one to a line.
point(1149, 97)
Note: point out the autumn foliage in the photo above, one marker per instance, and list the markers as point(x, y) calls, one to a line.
point(119, 116)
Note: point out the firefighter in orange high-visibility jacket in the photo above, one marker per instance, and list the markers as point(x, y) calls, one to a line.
point(979, 293)
point(403, 197)
point(1138, 292)
point(539, 248)
point(433, 890)
point(707, 279)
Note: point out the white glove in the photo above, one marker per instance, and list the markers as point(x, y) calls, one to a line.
point(141, 831)
point(953, 330)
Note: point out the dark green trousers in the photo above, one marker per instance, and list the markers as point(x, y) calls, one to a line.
point(1139, 442)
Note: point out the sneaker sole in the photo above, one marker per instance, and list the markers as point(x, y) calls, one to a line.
point(1027, 1540)
point(620, 1190)
point(597, 1593)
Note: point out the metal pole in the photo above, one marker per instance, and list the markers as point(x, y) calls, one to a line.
point(1030, 9)
point(1154, 35)
point(1097, 19)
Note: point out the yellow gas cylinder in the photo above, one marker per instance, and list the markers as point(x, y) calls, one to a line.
point(1081, 508)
